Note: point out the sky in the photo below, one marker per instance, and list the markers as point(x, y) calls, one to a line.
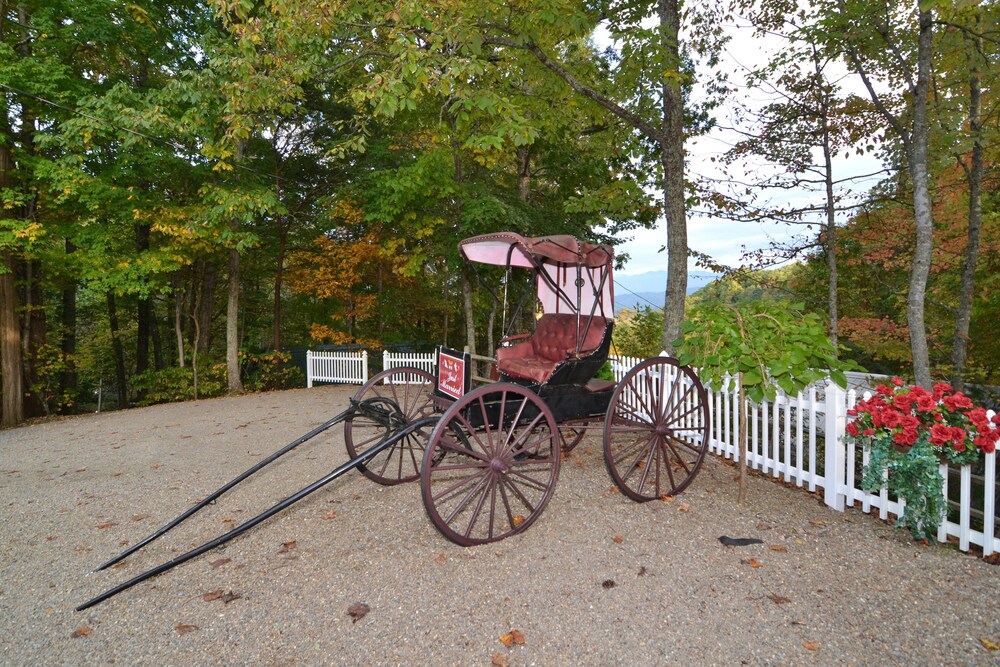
point(726, 240)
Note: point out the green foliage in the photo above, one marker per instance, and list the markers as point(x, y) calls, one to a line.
point(50, 364)
point(270, 371)
point(173, 383)
point(638, 333)
point(605, 372)
point(912, 476)
point(771, 346)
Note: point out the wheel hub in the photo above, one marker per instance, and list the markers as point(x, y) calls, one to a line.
point(498, 465)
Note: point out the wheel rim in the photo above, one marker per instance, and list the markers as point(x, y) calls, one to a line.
point(384, 405)
point(572, 434)
point(656, 430)
point(486, 478)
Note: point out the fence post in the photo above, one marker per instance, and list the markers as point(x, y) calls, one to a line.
point(309, 369)
point(364, 366)
point(836, 464)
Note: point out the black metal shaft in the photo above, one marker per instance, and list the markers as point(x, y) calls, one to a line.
point(211, 498)
point(363, 458)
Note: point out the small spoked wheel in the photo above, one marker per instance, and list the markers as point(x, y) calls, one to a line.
point(656, 429)
point(491, 464)
point(382, 406)
point(572, 433)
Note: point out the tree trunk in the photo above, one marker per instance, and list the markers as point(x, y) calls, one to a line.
point(144, 310)
point(10, 345)
point(470, 322)
point(232, 321)
point(523, 173)
point(278, 278)
point(68, 382)
point(830, 244)
point(974, 175)
point(116, 346)
point(178, 319)
point(920, 269)
point(672, 159)
point(33, 338)
point(206, 303)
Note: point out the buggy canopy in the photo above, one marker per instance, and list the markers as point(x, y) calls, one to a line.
point(573, 276)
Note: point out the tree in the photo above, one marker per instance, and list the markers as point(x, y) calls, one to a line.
point(758, 350)
point(895, 45)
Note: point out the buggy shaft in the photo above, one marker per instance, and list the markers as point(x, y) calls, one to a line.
point(218, 492)
point(363, 458)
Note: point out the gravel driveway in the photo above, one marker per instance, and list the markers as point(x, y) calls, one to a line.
point(598, 580)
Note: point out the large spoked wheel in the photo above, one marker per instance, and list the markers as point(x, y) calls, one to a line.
point(491, 464)
point(656, 429)
point(384, 405)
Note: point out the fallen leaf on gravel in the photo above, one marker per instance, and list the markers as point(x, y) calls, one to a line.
point(157, 465)
point(608, 583)
point(230, 596)
point(683, 507)
point(819, 523)
point(993, 558)
point(358, 610)
point(617, 539)
point(229, 521)
point(139, 517)
point(82, 631)
point(511, 638)
point(777, 599)
point(499, 660)
point(107, 525)
point(216, 564)
point(184, 629)
point(778, 547)
point(667, 499)
point(752, 562)
point(81, 470)
point(50, 538)
point(642, 571)
point(517, 520)
point(287, 546)
point(811, 646)
point(988, 645)
point(214, 595)
point(763, 526)
point(330, 515)
point(82, 550)
point(116, 474)
point(441, 559)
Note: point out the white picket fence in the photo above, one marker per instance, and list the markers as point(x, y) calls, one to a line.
point(797, 439)
point(425, 361)
point(342, 367)
point(800, 440)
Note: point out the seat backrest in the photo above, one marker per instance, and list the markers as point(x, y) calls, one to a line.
point(555, 336)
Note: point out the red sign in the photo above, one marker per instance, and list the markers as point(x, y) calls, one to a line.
point(451, 375)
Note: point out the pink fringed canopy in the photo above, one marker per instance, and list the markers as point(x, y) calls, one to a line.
point(577, 275)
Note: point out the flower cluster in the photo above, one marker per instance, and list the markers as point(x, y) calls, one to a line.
point(900, 414)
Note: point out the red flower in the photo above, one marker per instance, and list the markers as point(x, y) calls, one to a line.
point(891, 418)
point(898, 381)
point(940, 389)
point(989, 447)
point(852, 430)
point(926, 403)
point(883, 390)
point(871, 431)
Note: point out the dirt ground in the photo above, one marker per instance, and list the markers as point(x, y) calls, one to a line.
point(598, 580)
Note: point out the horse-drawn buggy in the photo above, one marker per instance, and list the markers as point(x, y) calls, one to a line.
point(488, 457)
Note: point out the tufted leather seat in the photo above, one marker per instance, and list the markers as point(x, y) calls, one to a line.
point(553, 342)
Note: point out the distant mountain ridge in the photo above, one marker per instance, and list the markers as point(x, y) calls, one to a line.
point(648, 289)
